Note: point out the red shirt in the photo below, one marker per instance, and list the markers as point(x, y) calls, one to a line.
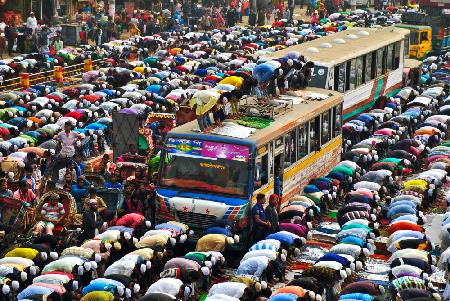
point(92, 98)
point(74, 114)
point(28, 197)
point(130, 220)
point(404, 225)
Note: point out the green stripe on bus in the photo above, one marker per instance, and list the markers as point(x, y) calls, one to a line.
point(367, 105)
point(379, 86)
point(358, 110)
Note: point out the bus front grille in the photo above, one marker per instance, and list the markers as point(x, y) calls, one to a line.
point(196, 220)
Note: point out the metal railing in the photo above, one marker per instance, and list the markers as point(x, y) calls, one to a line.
point(47, 76)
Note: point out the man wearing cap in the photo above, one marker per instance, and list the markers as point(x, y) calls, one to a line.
point(261, 225)
point(52, 213)
point(272, 213)
point(90, 219)
point(31, 23)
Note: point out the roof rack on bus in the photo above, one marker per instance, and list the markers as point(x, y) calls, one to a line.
point(272, 109)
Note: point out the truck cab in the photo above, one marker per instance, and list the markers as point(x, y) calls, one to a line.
point(420, 40)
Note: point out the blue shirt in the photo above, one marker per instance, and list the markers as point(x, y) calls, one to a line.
point(356, 296)
point(334, 257)
point(353, 240)
point(259, 210)
point(116, 185)
point(254, 266)
point(282, 237)
point(98, 286)
point(79, 193)
point(219, 230)
point(405, 209)
point(33, 291)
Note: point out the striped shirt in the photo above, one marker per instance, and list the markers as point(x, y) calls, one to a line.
point(53, 213)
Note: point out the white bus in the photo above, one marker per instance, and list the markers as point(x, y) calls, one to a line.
point(362, 63)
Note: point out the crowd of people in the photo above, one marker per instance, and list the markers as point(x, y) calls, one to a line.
point(99, 27)
point(52, 139)
point(379, 187)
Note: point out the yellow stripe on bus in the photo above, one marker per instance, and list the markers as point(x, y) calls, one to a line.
point(336, 142)
point(295, 169)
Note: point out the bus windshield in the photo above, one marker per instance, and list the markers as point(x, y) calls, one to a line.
point(206, 166)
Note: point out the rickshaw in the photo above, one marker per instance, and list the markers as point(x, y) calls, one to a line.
point(113, 198)
point(13, 168)
point(52, 172)
point(128, 169)
point(66, 231)
point(95, 179)
point(11, 211)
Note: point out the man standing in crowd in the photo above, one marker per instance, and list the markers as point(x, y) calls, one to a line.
point(272, 213)
point(90, 219)
point(44, 40)
point(10, 35)
point(261, 225)
point(31, 24)
point(68, 139)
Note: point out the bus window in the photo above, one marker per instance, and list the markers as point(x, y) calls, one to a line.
point(347, 76)
point(360, 71)
point(290, 148)
point(368, 67)
point(337, 121)
point(379, 62)
point(326, 127)
point(423, 36)
point(390, 57)
point(314, 134)
point(302, 141)
point(261, 171)
point(351, 75)
point(339, 78)
point(397, 54)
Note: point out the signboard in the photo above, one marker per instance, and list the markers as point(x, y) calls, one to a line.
point(225, 151)
point(208, 149)
point(184, 146)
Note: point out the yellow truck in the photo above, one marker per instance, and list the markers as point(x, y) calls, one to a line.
point(420, 40)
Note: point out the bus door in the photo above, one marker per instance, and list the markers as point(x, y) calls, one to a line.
point(278, 166)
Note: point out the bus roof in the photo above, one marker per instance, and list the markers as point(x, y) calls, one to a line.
point(352, 48)
point(303, 111)
point(413, 27)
